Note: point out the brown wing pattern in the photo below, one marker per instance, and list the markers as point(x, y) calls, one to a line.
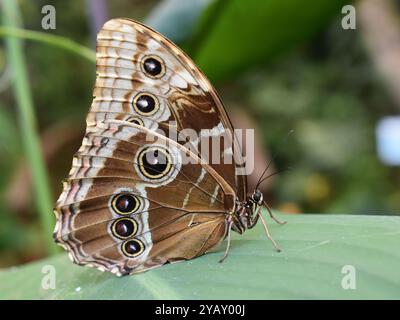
point(108, 165)
point(120, 211)
point(185, 95)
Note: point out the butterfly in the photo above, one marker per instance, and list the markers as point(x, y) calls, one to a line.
point(135, 198)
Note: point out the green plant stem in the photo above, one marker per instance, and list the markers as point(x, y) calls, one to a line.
point(28, 125)
point(56, 41)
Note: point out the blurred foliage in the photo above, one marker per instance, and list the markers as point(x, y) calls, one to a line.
point(184, 15)
point(9, 146)
point(331, 97)
point(290, 67)
point(235, 35)
point(27, 119)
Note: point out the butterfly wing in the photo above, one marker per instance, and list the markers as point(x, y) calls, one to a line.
point(128, 54)
point(121, 212)
point(112, 213)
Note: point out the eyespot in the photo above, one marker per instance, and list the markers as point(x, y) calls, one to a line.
point(154, 162)
point(124, 228)
point(125, 203)
point(135, 120)
point(145, 104)
point(153, 66)
point(132, 248)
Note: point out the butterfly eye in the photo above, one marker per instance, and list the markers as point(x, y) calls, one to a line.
point(145, 104)
point(124, 204)
point(153, 66)
point(132, 248)
point(154, 162)
point(124, 228)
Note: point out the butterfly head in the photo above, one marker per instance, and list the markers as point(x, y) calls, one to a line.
point(257, 197)
point(247, 212)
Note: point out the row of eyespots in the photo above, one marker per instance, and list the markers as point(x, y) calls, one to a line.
point(154, 163)
point(144, 103)
point(126, 227)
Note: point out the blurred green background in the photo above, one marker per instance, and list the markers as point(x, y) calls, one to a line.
point(314, 91)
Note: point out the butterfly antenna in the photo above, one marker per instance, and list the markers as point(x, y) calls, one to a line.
point(289, 134)
point(271, 214)
point(265, 170)
point(272, 174)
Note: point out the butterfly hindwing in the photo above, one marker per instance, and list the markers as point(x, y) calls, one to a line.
point(110, 165)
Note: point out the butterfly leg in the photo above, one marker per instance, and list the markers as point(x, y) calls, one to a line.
point(253, 221)
point(229, 242)
point(272, 216)
point(268, 233)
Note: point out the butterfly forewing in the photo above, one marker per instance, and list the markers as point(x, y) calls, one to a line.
point(181, 93)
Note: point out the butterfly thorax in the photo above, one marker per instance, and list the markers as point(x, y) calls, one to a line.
point(247, 212)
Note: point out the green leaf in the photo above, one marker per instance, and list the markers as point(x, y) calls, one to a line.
point(315, 249)
point(236, 35)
